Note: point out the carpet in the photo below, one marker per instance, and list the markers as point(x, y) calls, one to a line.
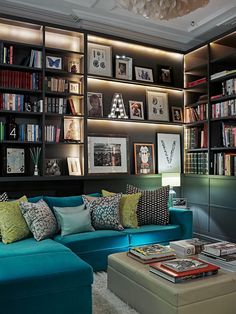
point(106, 302)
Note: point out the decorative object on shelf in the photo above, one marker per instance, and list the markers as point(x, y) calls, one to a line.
point(99, 59)
point(165, 75)
point(95, 105)
point(136, 110)
point(74, 87)
point(144, 158)
point(12, 129)
point(74, 166)
point(171, 179)
point(107, 154)
point(180, 202)
point(72, 129)
point(143, 74)
point(53, 167)
point(15, 161)
point(54, 62)
point(35, 153)
point(162, 10)
point(118, 107)
point(124, 67)
point(177, 114)
point(74, 66)
point(157, 103)
point(168, 148)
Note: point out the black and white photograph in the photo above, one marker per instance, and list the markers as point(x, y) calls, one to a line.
point(95, 105)
point(136, 110)
point(124, 67)
point(143, 74)
point(157, 106)
point(180, 202)
point(99, 59)
point(53, 167)
point(177, 114)
point(164, 75)
point(53, 62)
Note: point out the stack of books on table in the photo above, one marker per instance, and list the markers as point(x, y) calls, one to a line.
point(182, 269)
point(151, 253)
point(188, 247)
point(221, 253)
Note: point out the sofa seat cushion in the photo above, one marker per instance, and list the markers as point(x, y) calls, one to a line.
point(149, 234)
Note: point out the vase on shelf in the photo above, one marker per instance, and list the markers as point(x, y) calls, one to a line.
point(36, 170)
point(35, 153)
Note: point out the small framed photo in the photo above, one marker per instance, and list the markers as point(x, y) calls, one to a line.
point(164, 75)
point(72, 130)
point(180, 202)
point(53, 62)
point(99, 59)
point(124, 67)
point(143, 74)
point(136, 110)
point(53, 167)
point(74, 167)
point(107, 154)
point(144, 158)
point(157, 104)
point(74, 66)
point(95, 105)
point(177, 114)
point(15, 158)
point(74, 87)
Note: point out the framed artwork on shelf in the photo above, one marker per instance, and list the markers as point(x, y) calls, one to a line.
point(107, 154)
point(143, 74)
point(53, 167)
point(136, 110)
point(15, 158)
point(95, 105)
point(74, 167)
point(74, 66)
point(168, 152)
point(157, 106)
point(144, 158)
point(99, 59)
point(72, 130)
point(54, 62)
point(165, 75)
point(74, 87)
point(177, 114)
point(124, 67)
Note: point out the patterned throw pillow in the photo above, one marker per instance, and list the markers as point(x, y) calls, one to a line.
point(104, 212)
point(152, 206)
point(128, 208)
point(12, 223)
point(40, 219)
point(4, 197)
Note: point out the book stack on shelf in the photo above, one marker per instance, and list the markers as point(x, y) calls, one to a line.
point(197, 82)
point(188, 247)
point(224, 164)
point(197, 137)
point(196, 163)
point(20, 79)
point(182, 269)
point(222, 74)
point(151, 253)
point(222, 254)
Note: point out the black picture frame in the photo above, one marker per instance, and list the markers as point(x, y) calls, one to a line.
point(165, 75)
point(53, 167)
point(144, 158)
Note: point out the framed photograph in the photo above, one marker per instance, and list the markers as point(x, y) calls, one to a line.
point(168, 152)
point(144, 158)
point(74, 87)
point(165, 75)
point(74, 167)
point(74, 66)
point(15, 161)
point(177, 114)
point(136, 110)
point(180, 202)
point(53, 62)
point(72, 130)
point(157, 106)
point(53, 167)
point(99, 59)
point(124, 67)
point(143, 74)
point(95, 105)
point(107, 154)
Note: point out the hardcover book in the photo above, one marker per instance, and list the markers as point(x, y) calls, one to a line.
point(152, 259)
point(152, 251)
point(220, 248)
point(184, 264)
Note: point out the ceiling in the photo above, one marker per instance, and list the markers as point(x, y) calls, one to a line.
point(105, 16)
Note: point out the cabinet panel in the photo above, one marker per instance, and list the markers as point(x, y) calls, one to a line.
point(222, 192)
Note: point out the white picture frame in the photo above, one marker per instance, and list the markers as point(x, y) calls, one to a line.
point(74, 87)
point(99, 59)
point(168, 152)
point(74, 167)
point(15, 161)
point(72, 129)
point(143, 74)
point(124, 67)
point(136, 110)
point(157, 106)
point(54, 62)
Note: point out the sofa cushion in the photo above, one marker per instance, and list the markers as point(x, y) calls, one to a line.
point(4, 197)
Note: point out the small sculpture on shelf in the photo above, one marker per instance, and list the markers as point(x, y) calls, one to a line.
point(35, 153)
point(117, 108)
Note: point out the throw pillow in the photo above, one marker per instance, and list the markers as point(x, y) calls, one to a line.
point(152, 206)
point(40, 219)
point(73, 219)
point(4, 197)
point(104, 212)
point(12, 223)
point(128, 208)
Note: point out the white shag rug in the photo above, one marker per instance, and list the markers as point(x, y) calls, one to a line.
point(106, 302)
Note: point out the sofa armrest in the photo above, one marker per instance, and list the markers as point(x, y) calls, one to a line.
point(184, 218)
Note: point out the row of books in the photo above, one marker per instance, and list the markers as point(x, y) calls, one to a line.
point(55, 105)
point(197, 137)
point(19, 79)
point(6, 53)
point(196, 163)
point(228, 134)
point(29, 132)
point(222, 74)
point(198, 113)
point(54, 84)
point(20, 103)
point(197, 82)
point(52, 133)
point(224, 109)
point(224, 164)
point(35, 59)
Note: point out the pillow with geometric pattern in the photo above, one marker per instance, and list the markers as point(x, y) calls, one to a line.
point(153, 205)
point(3, 198)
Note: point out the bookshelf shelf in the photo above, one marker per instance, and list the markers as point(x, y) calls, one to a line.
point(19, 67)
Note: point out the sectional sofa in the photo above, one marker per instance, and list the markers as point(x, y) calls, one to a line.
point(56, 275)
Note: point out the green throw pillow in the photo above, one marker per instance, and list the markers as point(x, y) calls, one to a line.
point(128, 208)
point(12, 223)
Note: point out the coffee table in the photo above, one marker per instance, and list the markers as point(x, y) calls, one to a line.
point(148, 293)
